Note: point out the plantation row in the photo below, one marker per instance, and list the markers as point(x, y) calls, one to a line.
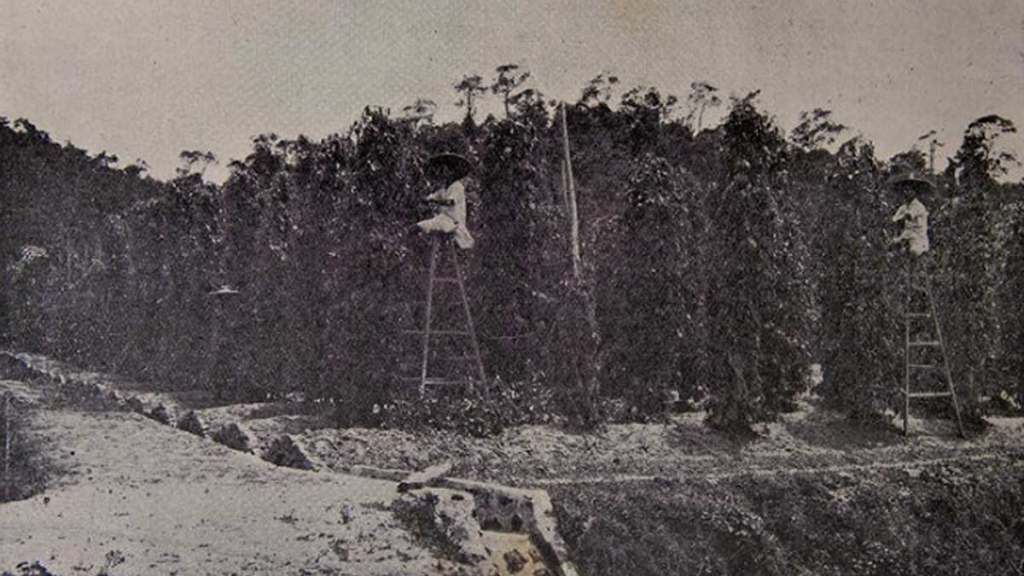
point(718, 263)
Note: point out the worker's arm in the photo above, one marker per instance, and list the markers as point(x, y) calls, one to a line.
point(903, 237)
point(901, 213)
point(440, 197)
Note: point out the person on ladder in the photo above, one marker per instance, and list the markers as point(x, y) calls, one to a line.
point(914, 216)
point(448, 223)
point(450, 199)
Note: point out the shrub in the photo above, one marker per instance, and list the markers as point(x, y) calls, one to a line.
point(474, 413)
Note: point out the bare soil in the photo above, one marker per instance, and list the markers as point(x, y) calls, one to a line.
point(811, 494)
point(171, 503)
point(810, 439)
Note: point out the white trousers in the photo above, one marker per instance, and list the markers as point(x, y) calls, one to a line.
point(445, 224)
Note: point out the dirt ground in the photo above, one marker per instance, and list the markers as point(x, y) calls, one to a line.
point(812, 438)
point(170, 503)
point(670, 497)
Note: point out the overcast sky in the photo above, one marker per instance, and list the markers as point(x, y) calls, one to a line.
point(147, 79)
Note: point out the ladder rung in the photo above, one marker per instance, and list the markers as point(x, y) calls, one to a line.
point(439, 381)
point(445, 279)
point(918, 315)
point(932, 366)
point(926, 343)
point(927, 394)
point(439, 332)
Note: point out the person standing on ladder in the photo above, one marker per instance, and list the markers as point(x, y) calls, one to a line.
point(913, 214)
point(921, 326)
point(450, 199)
point(450, 220)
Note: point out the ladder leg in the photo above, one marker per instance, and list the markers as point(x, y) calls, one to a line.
point(906, 355)
point(428, 315)
point(945, 361)
point(469, 317)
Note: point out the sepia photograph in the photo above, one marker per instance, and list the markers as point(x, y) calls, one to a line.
point(535, 288)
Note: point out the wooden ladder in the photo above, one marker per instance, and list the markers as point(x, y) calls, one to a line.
point(435, 283)
point(920, 283)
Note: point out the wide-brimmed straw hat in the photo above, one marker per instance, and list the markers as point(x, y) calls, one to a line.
point(912, 181)
point(457, 165)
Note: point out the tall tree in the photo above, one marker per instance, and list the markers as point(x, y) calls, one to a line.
point(816, 129)
point(646, 111)
point(599, 89)
point(195, 162)
point(420, 111)
point(702, 96)
point(510, 77)
point(470, 87)
point(933, 144)
point(980, 159)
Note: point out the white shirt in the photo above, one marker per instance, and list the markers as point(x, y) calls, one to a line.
point(451, 216)
point(456, 193)
point(915, 229)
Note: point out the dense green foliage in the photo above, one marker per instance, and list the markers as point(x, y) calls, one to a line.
point(1011, 303)
point(718, 263)
point(758, 298)
point(859, 287)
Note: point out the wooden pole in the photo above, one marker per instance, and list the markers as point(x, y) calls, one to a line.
point(570, 196)
point(565, 187)
point(585, 366)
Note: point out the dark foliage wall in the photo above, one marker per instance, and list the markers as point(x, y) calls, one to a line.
point(718, 263)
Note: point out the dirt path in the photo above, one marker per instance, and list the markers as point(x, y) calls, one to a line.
point(911, 466)
point(171, 503)
point(805, 442)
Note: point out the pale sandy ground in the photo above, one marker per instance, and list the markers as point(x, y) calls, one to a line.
point(174, 504)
